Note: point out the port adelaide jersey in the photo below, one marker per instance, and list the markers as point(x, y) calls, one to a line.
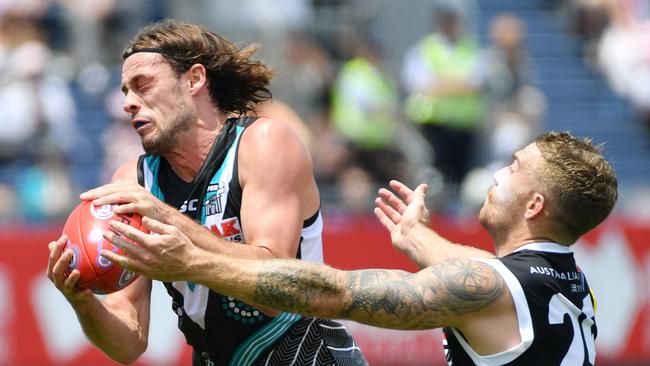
point(555, 311)
point(221, 330)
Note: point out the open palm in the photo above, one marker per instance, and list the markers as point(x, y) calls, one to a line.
point(399, 214)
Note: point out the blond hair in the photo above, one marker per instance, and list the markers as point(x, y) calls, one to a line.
point(580, 181)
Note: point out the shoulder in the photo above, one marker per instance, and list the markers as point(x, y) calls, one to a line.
point(127, 172)
point(271, 152)
point(271, 138)
point(266, 128)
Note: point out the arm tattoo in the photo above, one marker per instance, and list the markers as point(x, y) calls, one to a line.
point(471, 285)
point(293, 288)
point(388, 298)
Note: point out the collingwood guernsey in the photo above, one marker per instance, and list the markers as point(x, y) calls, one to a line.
point(555, 311)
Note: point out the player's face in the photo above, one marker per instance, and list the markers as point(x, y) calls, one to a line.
point(514, 185)
point(160, 108)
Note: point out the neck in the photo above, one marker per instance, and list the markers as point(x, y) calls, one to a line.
point(194, 146)
point(514, 242)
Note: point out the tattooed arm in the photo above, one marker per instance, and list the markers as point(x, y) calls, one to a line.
point(444, 294)
point(463, 293)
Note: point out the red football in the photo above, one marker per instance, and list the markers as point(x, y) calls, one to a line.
point(84, 229)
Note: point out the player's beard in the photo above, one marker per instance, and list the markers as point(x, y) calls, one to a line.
point(167, 139)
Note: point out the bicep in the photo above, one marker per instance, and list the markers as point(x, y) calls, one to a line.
point(465, 289)
point(275, 173)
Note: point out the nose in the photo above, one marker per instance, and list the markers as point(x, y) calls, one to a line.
point(130, 104)
point(499, 173)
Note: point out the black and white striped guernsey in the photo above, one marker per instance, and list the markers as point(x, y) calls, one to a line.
point(223, 330)
point(555, 311)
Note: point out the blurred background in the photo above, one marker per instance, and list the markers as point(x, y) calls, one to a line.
point(430, 91)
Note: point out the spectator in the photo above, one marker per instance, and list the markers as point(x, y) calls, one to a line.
point(311, 73)
point(442, 78)
point(9, 205)
point(36, 105)
point(587, 19)
point(44, 189)
point(624, 55)
point(516, 105)
point(364, 110)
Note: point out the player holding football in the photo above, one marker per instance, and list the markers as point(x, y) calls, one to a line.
point(244, 179)
point(530, 305)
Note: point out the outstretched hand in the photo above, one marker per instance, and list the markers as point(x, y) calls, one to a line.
point(400, 214)
point(166, 254)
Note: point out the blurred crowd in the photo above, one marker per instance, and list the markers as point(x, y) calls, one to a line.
point(449, 110)
point(615, 38)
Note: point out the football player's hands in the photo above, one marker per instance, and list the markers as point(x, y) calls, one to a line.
point(166, 254)
point(400, 214)
point(57, 264)
point(130, 197)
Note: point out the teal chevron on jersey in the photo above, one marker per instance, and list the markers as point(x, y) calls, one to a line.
point(253, 347)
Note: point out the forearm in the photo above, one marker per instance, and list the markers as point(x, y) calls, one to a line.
point(428, 248)
point(117, 333)
point(383, 298)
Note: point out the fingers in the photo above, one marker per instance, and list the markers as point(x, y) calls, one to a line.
point(59, 268)
point(404, 192)
point(132, 251)
point(99, 191)
point(156, 226)
point(383, 219)
point(56, 248)
point(389, 198)
point(126, 208)
point(70, 283)
point(119, 240)
point(118, 192)
point(114, 198)
point(389, 211)
point(421, 191)
point(119, 260)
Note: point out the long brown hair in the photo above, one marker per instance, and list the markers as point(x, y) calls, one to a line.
point(235, 81)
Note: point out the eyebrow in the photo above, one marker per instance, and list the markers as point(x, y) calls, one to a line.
point(133, 80)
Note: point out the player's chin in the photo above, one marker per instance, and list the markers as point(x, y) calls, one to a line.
point(489, 196)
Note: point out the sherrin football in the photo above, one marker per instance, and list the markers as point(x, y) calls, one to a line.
point(84, 229)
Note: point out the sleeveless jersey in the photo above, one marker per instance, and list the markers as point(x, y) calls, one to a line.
point(223, 330)
point(555, 311)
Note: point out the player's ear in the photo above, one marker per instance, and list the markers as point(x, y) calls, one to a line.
point(197, 77)
point(535, 206)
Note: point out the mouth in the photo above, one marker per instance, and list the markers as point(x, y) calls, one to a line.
point(138, 124)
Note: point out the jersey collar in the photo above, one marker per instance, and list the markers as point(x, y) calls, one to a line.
point(545, 247)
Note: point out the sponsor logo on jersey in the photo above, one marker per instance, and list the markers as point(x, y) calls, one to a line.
point(229, 229)
point(189, 205)
point(102, 212)
point(547, 271)
point(212, 203)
